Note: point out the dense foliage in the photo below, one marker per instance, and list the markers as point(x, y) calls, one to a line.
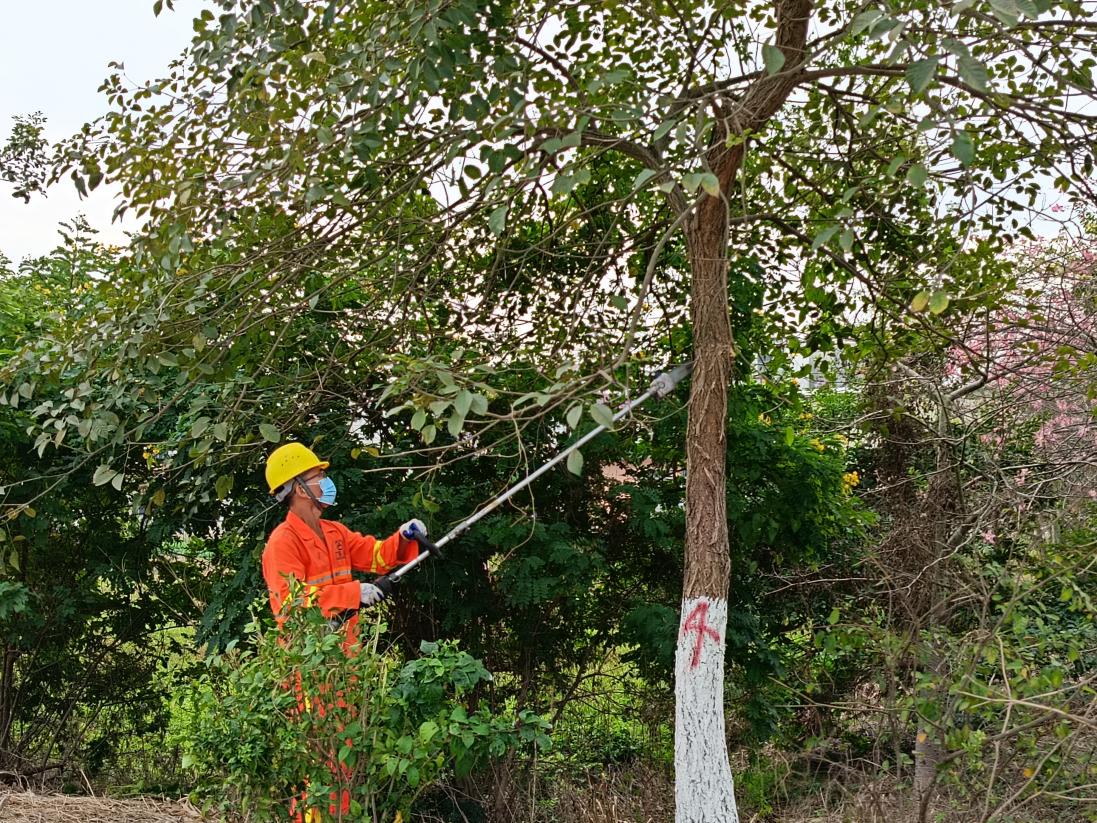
point(298, 720)
point(437, 241)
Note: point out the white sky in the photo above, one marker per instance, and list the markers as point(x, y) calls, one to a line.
point(53, 57)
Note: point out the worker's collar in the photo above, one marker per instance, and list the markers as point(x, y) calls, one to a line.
point(298, 524)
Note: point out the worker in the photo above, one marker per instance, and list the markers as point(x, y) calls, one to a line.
point(320, 554)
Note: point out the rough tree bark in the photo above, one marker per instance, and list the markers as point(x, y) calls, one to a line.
point(704, 789)
point(7, 695)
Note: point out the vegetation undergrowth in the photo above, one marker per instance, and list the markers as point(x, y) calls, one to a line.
point(350, 732)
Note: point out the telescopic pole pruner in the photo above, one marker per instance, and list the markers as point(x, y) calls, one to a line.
point(661, 386)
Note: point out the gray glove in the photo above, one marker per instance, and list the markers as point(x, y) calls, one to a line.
point(371, 595)
point(413, 529)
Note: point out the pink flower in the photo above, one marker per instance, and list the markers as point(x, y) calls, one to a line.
point(990, 536)
point(1056, 208)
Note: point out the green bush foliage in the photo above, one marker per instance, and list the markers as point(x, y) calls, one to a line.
point(353, 732)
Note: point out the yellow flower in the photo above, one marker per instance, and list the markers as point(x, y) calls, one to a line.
point(815, 444)
point(850, 480)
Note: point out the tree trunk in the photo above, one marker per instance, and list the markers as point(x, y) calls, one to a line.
point(704, 791)
point(7, 699)
point(703, 787)
point(944, 497)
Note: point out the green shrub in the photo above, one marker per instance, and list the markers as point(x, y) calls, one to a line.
point(373, 730)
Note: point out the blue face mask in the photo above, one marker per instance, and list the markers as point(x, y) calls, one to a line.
point(327, 491)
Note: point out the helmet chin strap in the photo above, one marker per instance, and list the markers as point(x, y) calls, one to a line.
point(308, 491)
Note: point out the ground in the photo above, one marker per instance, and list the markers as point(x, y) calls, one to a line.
point(28, 807)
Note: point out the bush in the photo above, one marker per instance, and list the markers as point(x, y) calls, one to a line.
point(352, 732)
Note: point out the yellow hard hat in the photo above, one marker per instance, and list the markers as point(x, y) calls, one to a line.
point(288, 461)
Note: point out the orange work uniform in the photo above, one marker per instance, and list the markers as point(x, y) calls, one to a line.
point(324, 566)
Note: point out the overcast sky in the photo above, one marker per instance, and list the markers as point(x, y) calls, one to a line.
point(53, 57)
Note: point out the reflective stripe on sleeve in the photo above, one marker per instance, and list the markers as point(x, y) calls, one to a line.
point(337, 576)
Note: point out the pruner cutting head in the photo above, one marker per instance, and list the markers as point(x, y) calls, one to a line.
point(664, 384)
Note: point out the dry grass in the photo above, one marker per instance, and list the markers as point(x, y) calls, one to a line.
point(28, 807)
point(635, 794)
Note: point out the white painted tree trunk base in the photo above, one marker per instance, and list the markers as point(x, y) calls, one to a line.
point(703, 787)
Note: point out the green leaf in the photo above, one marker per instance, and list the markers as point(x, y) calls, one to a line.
point(419, 419)
point(973, 72)
point(103, 475)
point(920, 73)
point(575, 462)
point(221, 431)
point(955, 47)
point(602, 414)
point(563, 184)
point(116, 481)
point(223, 485)
point(710, 184)
point(663, 129)
point(963, 148)
point(429, 433)
point(198, 428)
point(824, 235)
point(917, 175)
point(790, 436)
point(575, 414)
point(773, 57)
point(427, 730)
point(834, 616)
point(497, 222)
point(642, 178)
point(270, 433)
point(920, 301)
point(463, 402)
point(1028, 8)
point(455, 424)
point(572, 140)
point(690, 182)
point(1066, 594)
point(845, 240)
point(865, 19)
point(1006, 11)
point(938, 301)
point(618, 302)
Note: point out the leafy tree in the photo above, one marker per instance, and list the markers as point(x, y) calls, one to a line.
point(288, 156)
point(83, 608)
point(23, 159)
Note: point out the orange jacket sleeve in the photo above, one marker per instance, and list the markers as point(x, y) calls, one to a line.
point(368, 554)
point(282, 561)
